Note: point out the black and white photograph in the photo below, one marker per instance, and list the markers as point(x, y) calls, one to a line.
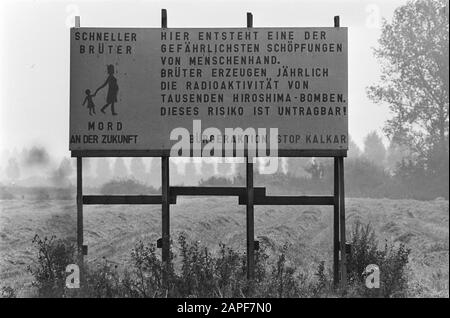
point(224, 156)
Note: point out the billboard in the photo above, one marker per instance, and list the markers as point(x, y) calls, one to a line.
point(131, 87)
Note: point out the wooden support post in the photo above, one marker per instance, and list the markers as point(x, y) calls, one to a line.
point(343, 264)
point(80, 212)
point(77, 21)
point(336, 224)
point(163, 18)
point(336, 21)
point(249, 20)
point(250, 219)
point(341, 223)
point(165, 214)
point(165, 209)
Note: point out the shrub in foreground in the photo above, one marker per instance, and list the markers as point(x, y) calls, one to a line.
point(194, 271)
point(391, 261)
point(49, 272)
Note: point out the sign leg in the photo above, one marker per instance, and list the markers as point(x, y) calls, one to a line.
point(250, 220)
point(165, 216)
point(343, 265)
point(80, 212)
point(336, 224)
point(250, 199)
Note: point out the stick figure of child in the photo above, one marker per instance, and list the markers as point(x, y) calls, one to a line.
point(89, 101)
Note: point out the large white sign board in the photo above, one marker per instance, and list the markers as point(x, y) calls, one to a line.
point(129, 87)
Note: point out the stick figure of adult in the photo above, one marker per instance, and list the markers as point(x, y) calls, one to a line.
point(113, 88)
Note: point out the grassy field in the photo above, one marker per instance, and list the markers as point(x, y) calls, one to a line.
point(112, 231)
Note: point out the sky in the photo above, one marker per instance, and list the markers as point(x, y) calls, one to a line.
point(34, 53)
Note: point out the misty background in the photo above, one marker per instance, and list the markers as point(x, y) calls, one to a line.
point(398, 99)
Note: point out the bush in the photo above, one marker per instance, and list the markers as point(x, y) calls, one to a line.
point(146, 278)
point(5, 194)
point(390, 260)
point(200, 273)
point(7, 292)
point(216, 181)
point(104, 282)
point(64, 193)
point(40, 193)
point(283, 282)
point(197, 271)
point(50, 270)
point(363, 178)
point(418, 182)
point(323, 286)
point(127, 186)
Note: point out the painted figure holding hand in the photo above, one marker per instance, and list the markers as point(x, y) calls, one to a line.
point(113, 88)
point(89, 101)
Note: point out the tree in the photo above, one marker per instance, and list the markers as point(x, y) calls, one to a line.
point(395, 154)
point(315, 169)
point(137, 168)
point(208, 169)
point(12, 169)
point(296, 166)
point(225, 166)
point(36, 156)
point(240, 168)
point(190, 172)
point(154, 173)
point(374, 149)
point(353, 149)
point(103, 170)
point(413, 50)
point(120, 170)
point(61, 176)
point(87, 166)
point(175, 177)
